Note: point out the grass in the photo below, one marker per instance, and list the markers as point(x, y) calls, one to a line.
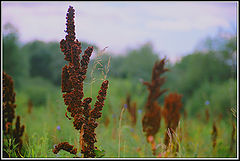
point(42, 131)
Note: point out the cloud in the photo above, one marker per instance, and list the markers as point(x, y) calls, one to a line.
point(122, 25)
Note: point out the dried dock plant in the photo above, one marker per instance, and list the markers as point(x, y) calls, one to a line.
point(152, 117)
point(8, 103)
point(171, 113)
point(233, 138)
point(84, 117)
point(9, 115)
point(30, 106)
point(214, 135)
point(132, 109)
point(207, 114)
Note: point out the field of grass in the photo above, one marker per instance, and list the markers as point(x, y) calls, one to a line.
point(47, 126)
point(196, 102)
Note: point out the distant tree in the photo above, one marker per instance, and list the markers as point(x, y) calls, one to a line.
point(10, 49)
point(211, 64)
point(40, 59)
point(136, 64)
point(14, 62)
point(224, 45)
point(116, 69)
point(46, 59)
point(139, 62)
point(229, 55)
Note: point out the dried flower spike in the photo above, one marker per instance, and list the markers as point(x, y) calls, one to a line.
point(233, 138)
point(214, 135)
point(65, 146)
point(151, 119)
point(171, 113)
point(9, 115)
point(8, 102)
point(73, 75)
point(132, 109)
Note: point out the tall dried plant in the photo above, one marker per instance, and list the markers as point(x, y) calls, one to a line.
point(214, 135)
point(207, 115)
point(151, 120)
point(132, 109)
point(8, 103)
point(30, 106)
point(171, 113)
point(152, 117)
point(233, 137)
point(73, 76)
point(9, 115)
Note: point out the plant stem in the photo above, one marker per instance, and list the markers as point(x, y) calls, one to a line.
point(119, 132)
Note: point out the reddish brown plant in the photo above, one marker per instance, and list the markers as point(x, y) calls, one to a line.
point(132, 109)
point(207, 114)
point(152, 117)
point(214, 135)
point(233, 138)
point(171, 113)
point(65, 146)
point(30, 106)
point(106, 121)
point(8, 103)
point(220, 116)
point(18, 133)
point(73, 75)
point(9, 115)
point(185, 114)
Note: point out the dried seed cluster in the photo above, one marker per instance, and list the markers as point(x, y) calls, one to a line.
point(73, 75)
point(171, 113)
point(65, 146)
point(152, 117)
point(9, 114)
point(132, 109)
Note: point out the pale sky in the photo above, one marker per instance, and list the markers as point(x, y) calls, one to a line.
point(174, 28)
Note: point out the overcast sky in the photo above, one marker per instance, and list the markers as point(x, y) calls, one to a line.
point(174, 28)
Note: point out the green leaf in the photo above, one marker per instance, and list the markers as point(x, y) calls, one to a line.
point(99, 153)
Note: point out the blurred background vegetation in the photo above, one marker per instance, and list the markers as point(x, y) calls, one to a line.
point(207, 74)
point(206, 78)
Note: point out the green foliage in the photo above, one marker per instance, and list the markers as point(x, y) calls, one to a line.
point(225, 97)
point(208, 74)
point(33, 59)
point(12, 55)
point(38, 90)
point(10, 148)
point(45, 60)
point(137, 64)
point(221, 98)
point(195, 69)
point(11, 50)
point(99, 153)
point(41, 129)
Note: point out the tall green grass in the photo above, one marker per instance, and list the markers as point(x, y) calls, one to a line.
point(47, 126)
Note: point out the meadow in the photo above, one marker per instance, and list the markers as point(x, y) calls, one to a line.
point(205, 115)
point(47, 125)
